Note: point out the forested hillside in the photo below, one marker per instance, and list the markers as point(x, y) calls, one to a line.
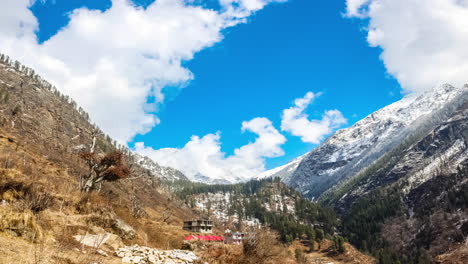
point(412, 205)
point(267, 202)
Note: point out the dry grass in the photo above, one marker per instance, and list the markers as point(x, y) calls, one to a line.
point(18, 251)
point(326, 255)
point(44, 209)
point(21, 224)
point(457, 255)
point(262, 247)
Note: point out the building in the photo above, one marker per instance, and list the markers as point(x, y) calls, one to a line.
point(234, 237)
point(199, 226)
point(205, 238)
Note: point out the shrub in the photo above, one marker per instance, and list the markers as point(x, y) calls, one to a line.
point(262, 246)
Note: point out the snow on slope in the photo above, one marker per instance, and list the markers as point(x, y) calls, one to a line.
point(164, 173)
point(282, 171)
point(352, 149)
point(442, 151)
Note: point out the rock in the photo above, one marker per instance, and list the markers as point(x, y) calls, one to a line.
point(102, 253)
point(153, 259)
point(123, 229)
point(136, 259)
point(144, 255)
point(97, 241)
point(127, 260)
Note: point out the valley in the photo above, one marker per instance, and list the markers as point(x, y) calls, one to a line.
point(393, 188)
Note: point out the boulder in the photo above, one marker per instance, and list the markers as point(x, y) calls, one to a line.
point(109, 240)
point(123, 229)
point(144, 255)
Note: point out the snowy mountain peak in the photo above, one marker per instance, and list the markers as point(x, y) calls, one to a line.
point(283, 171)
point(164, 173)
point(350, 150)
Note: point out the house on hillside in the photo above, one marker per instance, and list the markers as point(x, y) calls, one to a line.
point(204, 238)
point(234, 237)
point(199, 226)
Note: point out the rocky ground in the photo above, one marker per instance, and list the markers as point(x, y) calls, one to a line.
point(146, 255)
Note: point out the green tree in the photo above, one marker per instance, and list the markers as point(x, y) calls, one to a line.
point(338, 244)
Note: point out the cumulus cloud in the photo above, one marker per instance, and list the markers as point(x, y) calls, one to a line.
point(241, 6)
point(354, 8)
point(114, 62)
point(203, 155)
point(295, 121)
point(423, 42)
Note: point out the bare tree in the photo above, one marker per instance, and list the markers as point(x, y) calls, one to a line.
point(110, 167)
point(261, 246)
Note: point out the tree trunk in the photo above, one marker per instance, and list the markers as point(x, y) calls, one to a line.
point(89, 185)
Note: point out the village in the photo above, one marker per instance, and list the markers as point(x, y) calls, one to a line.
point(206, 227)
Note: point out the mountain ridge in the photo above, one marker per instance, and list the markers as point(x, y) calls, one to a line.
point(352, 149)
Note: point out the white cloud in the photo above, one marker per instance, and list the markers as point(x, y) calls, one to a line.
point(110, 62)
point(247, 5)
point(204, 156)
point(295, 121)
point(424, 43)
point(354, 8)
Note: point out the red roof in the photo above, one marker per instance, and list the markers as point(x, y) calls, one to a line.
point(204, 238)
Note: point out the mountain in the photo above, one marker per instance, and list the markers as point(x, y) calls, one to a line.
point(350, 151)
point(282, 172)
point(395, 184)
point(411, 205)
point(398, 179)
point(302, 225)
point(161, 172)
point(259, 202)
point(43, 136)
point(48, 145)
point(45, 116)
point(415, 162)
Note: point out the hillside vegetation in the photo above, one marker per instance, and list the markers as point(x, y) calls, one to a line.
point(419, 211)
point(267, 202)
point(42, 208)
point(71, 194)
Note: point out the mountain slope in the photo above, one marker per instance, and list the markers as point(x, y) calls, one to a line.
point(443, 149)
point(266, 202)
point(42, 133)
point(282, 172)
point(398, 178)
point(161, 172)
point(414, 204)
point(351, 150)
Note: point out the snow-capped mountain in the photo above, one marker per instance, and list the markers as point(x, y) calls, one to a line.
point(283, 171)
point(353, 149)
point(164, 173)
point(443, 151)
point(416, 194)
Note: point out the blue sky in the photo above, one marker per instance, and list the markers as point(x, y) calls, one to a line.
point(258, 69)
point(230, 88)
point(261, 67)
